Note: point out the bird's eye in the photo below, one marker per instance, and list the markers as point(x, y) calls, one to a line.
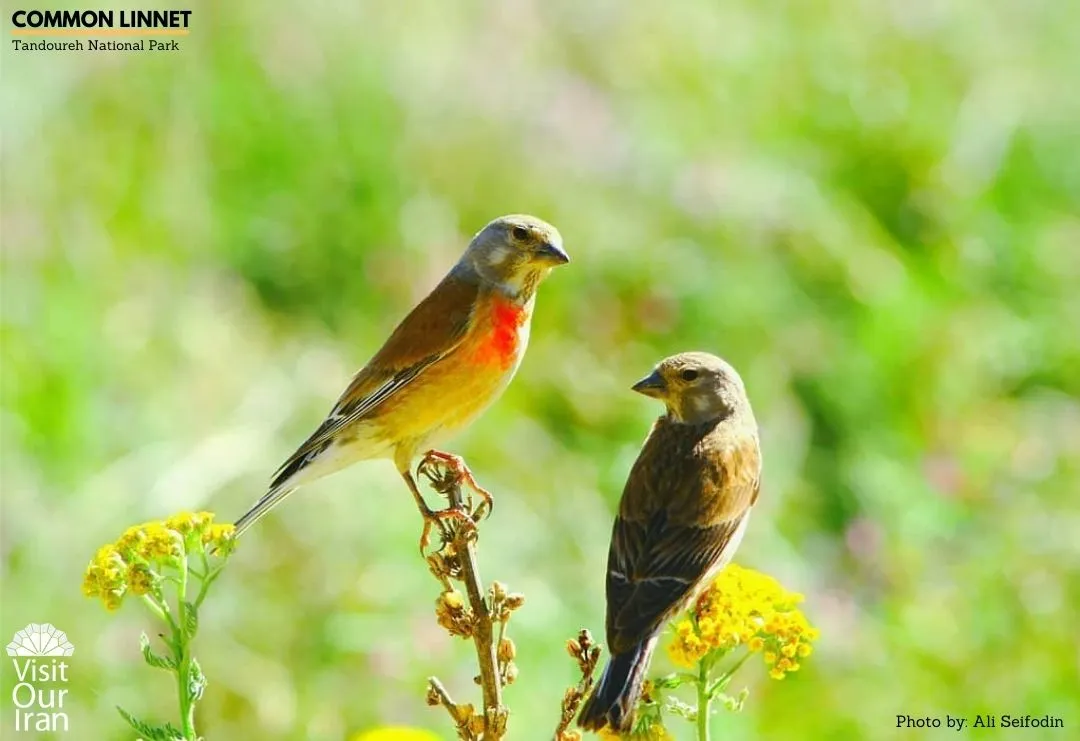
point(689, 374)
point(520, 233)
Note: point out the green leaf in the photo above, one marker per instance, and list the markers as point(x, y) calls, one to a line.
point(681, 709)
point(670, 681)
point(191, 620)
point(172, 733)
point(196, 681)
point(155, 660)
point(733, 704)
point(164, 732)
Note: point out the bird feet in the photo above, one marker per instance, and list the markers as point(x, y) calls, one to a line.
point(442, 519)
point(455, 471)
point(447, 472)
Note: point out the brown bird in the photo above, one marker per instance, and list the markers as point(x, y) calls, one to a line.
point(683, 512)
point(447, 361)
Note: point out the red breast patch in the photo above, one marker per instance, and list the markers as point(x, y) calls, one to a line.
point(501, 344)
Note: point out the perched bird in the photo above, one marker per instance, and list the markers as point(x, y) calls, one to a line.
point(451, 357)
point(683, 512)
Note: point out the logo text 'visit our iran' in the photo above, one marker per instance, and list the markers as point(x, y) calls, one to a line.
point(35, 650)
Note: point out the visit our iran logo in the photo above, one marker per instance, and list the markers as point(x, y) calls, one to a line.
point(40, 692)
point(40, 639)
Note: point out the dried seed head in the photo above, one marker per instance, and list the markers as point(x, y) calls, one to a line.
point(464, 713)
point(507, 650)
point(452, 614)
point(573, 648)
point(476, 725)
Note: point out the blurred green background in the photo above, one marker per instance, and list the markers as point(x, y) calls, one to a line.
point(871, 209)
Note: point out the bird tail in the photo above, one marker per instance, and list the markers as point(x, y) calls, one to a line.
point(269, 500)
point(305, 465)
point(612, 702)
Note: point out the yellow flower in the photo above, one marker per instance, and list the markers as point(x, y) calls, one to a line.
point(218, 534)
point(655, 732)
point(140, 579)
point(744, 607)
point(160, 543)
point(140, 556)
point(181, 522)
point(396, 734)
point(129, 541)
point(112, 601)
point(688, 647)
point(105, 577)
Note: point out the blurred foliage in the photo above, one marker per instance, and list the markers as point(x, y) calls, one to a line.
point(870, 209)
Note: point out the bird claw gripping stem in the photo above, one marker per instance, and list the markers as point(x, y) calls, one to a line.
point(448, 531)
point(447, 472)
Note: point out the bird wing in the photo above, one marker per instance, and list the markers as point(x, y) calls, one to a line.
point(430, 332)
point(681, 509)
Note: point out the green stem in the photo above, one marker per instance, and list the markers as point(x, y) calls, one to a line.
point(160, 605)
point(205, 587)
point(182, 650)
point(704, 698)
point(155, 608)
point(726, 676)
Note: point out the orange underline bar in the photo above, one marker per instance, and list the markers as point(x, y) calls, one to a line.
point(100, 32)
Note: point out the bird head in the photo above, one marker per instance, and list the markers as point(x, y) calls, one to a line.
point(515, 253)
point(696, 387)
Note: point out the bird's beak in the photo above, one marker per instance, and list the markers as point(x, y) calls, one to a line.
point(651, 385)
point(553, 254)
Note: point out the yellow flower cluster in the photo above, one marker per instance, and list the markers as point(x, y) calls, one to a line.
point(396, 734)
point(744, 607)
point(133, 563)
point(655, 732)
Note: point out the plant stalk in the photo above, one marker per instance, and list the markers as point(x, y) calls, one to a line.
point(483, 635)
point(182, 649)
point(704, 698)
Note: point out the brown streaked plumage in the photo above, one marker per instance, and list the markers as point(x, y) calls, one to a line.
point(683, 512)
point(450, 358)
